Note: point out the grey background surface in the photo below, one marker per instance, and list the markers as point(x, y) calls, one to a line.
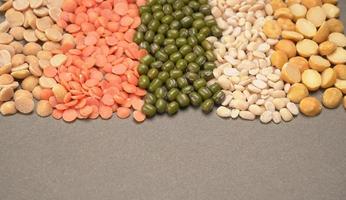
point(190, 156)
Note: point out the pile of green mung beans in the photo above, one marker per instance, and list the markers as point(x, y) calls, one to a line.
point(180, 60)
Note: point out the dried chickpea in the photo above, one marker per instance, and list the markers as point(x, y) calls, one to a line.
point(277, 4)
point(22, 93)
point(36, 3)
point(298, 11)
point(297, 92)
point(41, 35)
point(6, 79)
point(14, 18)
point(4, 26)
point(341, 85)
point(332, 98)
point(316, 15)
point(29, 35)
point(306, 28)
point(17, 32)
point(5, 38)
point(290, 74)
point(36, 92)
point(311, 3)
point(18, 60)
point(24, 104)
point(331, 10)
point(338, 56)
point(6, 5)
point(8, 108)
point(59, 92)
point(45, 55)
point(327, 48)
point(6, 93)
point(44, 23)
point(337, 38)
point(318, 63)
point(292, 35)
point(310, 106)
point(18, 47)
point(340, 71)
point(50, 46)
point(283, 13)
point(322, 33)
point(272, 29)
point(312, 79)
point(288, 47)
point(53, 34)
point(20, 5)
point(43, 108)
point(29, 83)
point(41, 11)
point(335, 25)
point(328, 78)
point(30, 19)
point(8, 48)
point(299, 62)
point(278, 59)
point(307, 48)
point(31, 48)
point(286, 24)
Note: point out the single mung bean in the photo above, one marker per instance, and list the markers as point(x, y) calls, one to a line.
point(214, 88)
point(181, 64)
point(181, 41)
point(143, 82)
point(163, 76)
point(150, 98)
point(168, 66)
point(156, 64)
point(218, 97)
point(195, 99)
point(161, 92)
point(187, 89)
point(192, 76)
point(153, 73)
point(171, 83)
point(182, 82)
point(175, 73)
point(183, 100)
point(154, 85)
point(206, 74)
point(148, 59)
point(199, 83)
point(207, 106)
point(172, 94)
point(161, 105)
point(205, 93)
point(193, 67)
point(161, 55)
point(175, 56)
point(149, 110)
point(172, 108)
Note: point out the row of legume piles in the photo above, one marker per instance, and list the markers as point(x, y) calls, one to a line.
point(89, 59)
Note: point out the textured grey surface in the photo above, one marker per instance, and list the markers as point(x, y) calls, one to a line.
point(187, 157)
